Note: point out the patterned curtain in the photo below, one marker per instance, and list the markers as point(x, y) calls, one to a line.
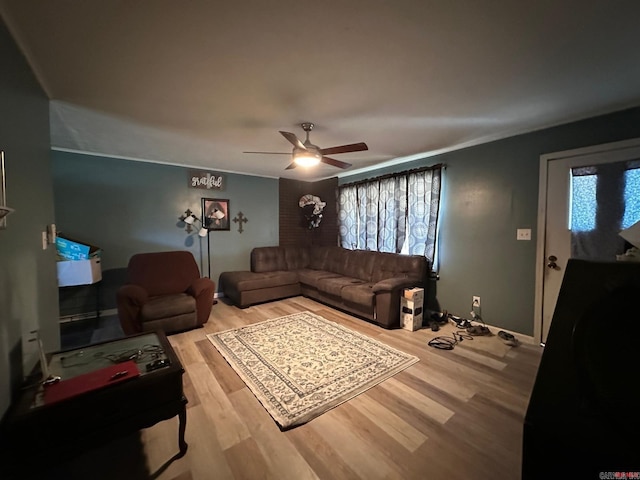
point(348, 217)
point(392, 205)
point(368, 194)
point(396, 214)
point(423, 209)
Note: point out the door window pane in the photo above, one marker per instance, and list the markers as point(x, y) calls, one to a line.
point(583, 203)
point(631, 197)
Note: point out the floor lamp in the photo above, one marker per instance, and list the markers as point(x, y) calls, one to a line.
point(209, 259)
point(189, 218)
point(208, 255)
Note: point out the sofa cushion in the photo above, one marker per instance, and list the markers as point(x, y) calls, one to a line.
point(389, 265)
point(311, 277)
point(162, 273)
point(360, 264)
point(178, 323)
point(168, 306)
point(334, 285)
point(337, 260)
point(296, 257)
point(268, 259)
point(243, 281)
point(318, 257)
point(361, 294)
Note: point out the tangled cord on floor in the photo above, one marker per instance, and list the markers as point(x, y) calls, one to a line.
point(447, 343)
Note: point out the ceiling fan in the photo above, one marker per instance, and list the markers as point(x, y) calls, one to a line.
point(307, 154)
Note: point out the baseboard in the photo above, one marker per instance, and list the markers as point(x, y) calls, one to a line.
point(87, 315)
point(529, 340)
point(111, 311)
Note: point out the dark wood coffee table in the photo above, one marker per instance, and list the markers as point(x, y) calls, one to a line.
point(53, 432)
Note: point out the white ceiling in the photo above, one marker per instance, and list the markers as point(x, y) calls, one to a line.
point(198, 82)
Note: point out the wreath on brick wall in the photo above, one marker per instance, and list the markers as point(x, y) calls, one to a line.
point(312, 208)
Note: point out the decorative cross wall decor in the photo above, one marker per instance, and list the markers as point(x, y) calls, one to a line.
point(240, 219)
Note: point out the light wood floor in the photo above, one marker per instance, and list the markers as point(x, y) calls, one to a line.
point(453, 415)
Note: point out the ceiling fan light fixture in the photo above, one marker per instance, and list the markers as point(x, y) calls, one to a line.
point(306, 158)
point(308, 155)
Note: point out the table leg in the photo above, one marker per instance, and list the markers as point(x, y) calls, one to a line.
point(182, 417)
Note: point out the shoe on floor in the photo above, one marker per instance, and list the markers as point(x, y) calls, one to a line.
point(508, 338)
point(478, 330)
point(460, 322)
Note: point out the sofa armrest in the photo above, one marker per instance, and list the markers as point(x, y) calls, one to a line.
point(395, 283)
point(129, 300)
point(203, 289)
point(200, 286)
point(388, 293)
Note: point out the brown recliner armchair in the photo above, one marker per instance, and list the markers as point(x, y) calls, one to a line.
point(164, 291)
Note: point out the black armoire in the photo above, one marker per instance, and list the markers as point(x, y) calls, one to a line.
point(583, 417)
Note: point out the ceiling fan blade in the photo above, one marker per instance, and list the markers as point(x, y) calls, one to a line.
point(291, 165)
point(335, 163)
point(352, 147)
point(293, 139)
point(271, 153)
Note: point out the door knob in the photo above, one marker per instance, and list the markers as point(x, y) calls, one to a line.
point(552, 262)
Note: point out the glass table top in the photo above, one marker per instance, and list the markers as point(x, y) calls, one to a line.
point(143, 349)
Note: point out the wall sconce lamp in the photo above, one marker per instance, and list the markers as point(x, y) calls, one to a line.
point(4, 211)
point(190, 219)
point(190, 224)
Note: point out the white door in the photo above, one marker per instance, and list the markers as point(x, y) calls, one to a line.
point(554, 235)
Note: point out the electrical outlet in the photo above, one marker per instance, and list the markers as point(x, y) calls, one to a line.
point(476, 301)
point(523, 234)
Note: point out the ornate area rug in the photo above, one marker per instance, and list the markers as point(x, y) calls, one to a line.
point(301, 365)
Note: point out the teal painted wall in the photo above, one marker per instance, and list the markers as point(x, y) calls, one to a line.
point(28, 284)
point(126, 207)
point(489, 192)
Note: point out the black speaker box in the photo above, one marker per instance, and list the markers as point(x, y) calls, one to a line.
point(583, 417)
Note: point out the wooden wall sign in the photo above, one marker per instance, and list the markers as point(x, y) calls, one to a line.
point(206, 180)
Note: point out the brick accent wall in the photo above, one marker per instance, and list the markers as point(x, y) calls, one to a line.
point(293, 228)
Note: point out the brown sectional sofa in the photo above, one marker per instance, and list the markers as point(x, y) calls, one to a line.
point(367, 284)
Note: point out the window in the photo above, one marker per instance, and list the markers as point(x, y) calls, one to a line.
point(583, 202)
point(605, 199)
point(393, 213)
point(631, 197)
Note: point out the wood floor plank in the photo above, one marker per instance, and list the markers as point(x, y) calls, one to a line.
point(320, 453)
point(455, 414)
point(188, 353)
point(438, 412)
point(230, 429)
point(246, 461)
point(226, 376)
point(479, 358)
point(442, 381)
point(205, 457)
point(366, 460)
point(404, 433)
point(282, 458)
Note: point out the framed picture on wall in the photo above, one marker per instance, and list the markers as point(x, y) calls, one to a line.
point(215, 213)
